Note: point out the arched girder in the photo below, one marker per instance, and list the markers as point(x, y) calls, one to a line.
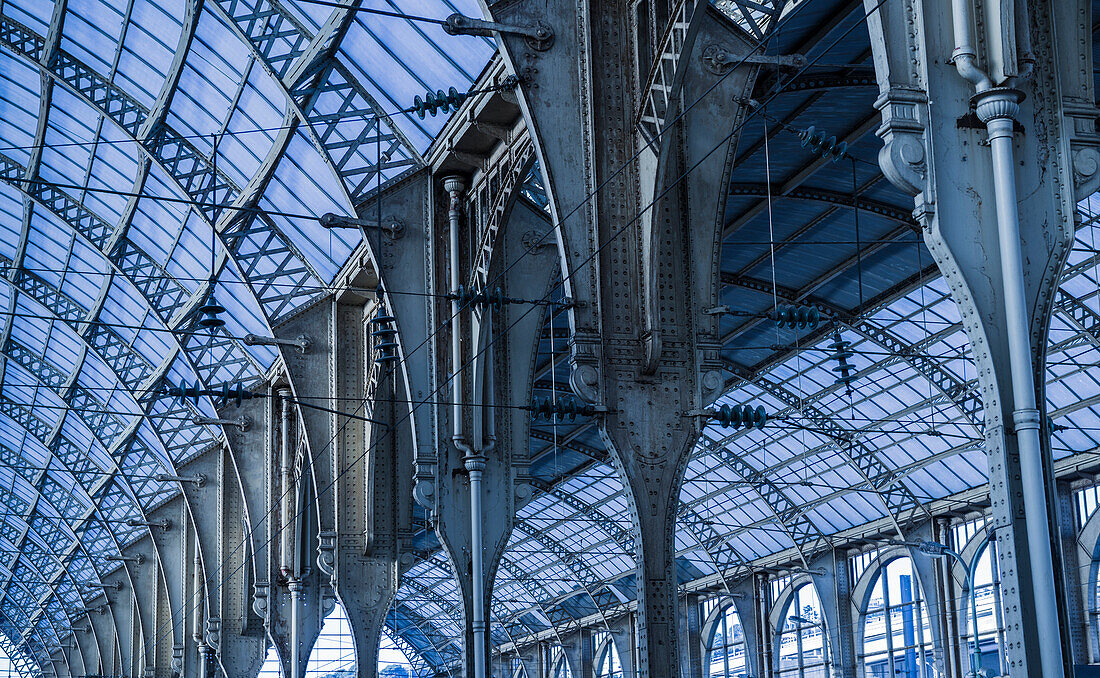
point(721, 553)
point(201, 358)
point(71, 314)
point(48, 585)
point(163, 296)
point(302, 65)
point(582, 573)
point(896, 497)
point(158, 114)
point(623, 538)
point(804, 534)
point(438, 641)
point(187, 167)
point(421, 666)
point(446, 605)
point(885, 210)
point(789, 516)
point(1080, 316)
point(964, 396)
point(52, 439)
point(529, 584)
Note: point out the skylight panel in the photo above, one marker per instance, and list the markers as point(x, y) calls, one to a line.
point(311, 14)
point(19, 103)
point(11, 220)
point(158, 220)
point(150, 43)
point(47, 250)
point(261, 106)
point(92, 31)
point(85, 274)
point(407, 59)
point(34, 14)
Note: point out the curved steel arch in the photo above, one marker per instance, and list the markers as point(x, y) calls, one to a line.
point(964, 396)
point(789, 516)
point(431, 635)
point(185, 165)
point(301, 64)
point(871, 206)
point(895, 497)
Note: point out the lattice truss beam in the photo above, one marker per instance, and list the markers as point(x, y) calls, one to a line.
point(134, 458)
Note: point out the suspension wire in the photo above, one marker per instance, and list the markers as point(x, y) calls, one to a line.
point(601, 246)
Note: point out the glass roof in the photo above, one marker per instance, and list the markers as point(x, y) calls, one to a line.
point(131, 164)
point(828, 461)
point(152, 154)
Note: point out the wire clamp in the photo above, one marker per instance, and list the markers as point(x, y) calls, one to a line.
point(539, 36)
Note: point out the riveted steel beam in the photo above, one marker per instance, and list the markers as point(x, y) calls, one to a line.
point(869, 205)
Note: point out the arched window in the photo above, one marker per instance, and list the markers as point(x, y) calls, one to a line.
point(803, 648)
point(561, 667)
point(726, 648)
point(608, 664)
point(991, 626)
point(897, 638)
point(392, 660)
point(333, 654)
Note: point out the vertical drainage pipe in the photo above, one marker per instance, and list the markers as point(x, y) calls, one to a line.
point(285, 500)
point(197, 628)
point(288, 502)
point(997, 108)
point(295, 635)
point(474, 462)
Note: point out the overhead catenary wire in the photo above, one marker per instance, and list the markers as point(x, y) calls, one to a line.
point(616, 233)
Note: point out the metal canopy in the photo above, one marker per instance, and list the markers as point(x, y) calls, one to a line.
point(109, 205)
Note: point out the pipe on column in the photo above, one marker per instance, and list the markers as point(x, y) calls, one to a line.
point(474, 460)
point(286, 503)
point(997, 108)
point(295, 635)
point(197, 627)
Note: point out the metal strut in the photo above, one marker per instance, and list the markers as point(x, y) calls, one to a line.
point(302, 342)
point(539, 36)
point(389, 225)
point(241, 422)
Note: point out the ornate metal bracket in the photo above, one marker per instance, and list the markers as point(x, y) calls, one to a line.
point(903, 158)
